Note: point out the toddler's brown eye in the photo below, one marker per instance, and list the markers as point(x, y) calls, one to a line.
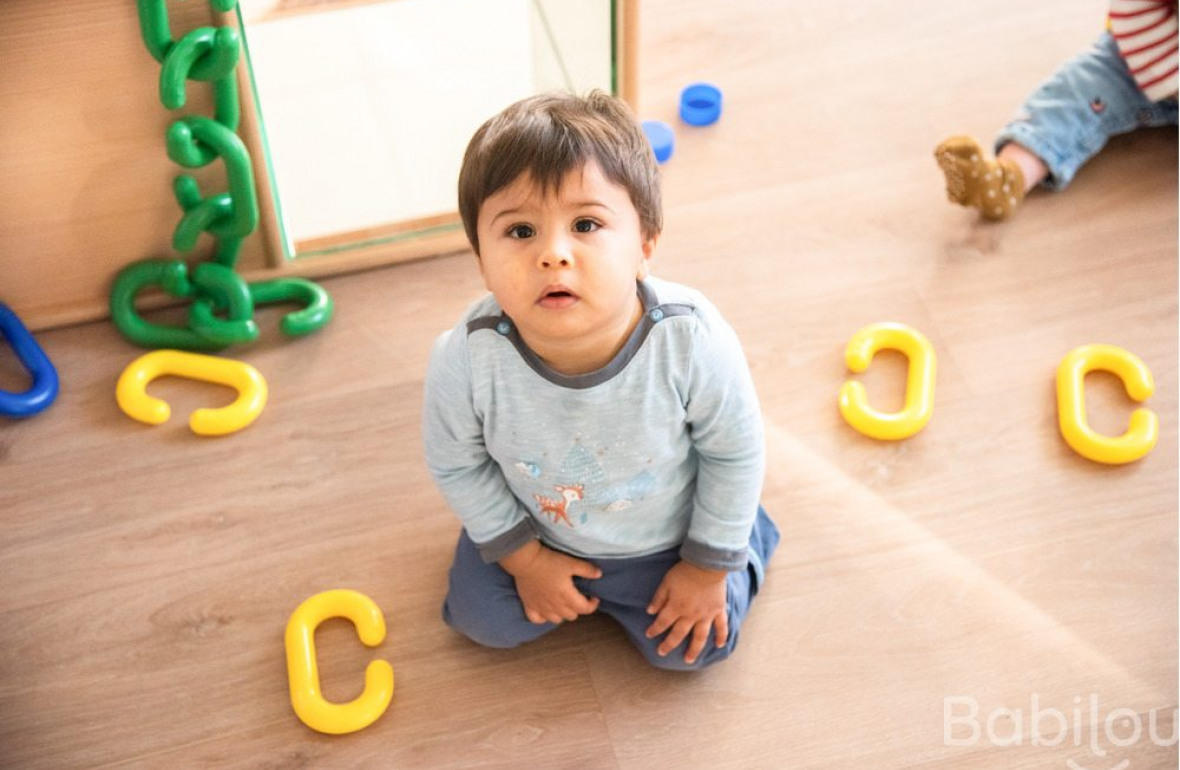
point(585, 226)
point(520, 231)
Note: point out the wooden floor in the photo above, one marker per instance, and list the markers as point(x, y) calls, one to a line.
point(978, 596)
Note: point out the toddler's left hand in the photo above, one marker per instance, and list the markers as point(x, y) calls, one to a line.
point(690, 599)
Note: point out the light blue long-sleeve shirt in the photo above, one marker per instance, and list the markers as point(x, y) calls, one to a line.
point(661, 448)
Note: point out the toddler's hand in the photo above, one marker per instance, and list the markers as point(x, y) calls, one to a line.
point(689, 600)
point(545, 583)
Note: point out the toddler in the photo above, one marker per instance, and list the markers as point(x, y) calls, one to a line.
point(1125, 81)
point(595, 429)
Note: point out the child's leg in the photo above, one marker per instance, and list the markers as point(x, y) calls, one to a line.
point(1072, 115)
point(1063, 123)
point(482, 602)
point(627, 586)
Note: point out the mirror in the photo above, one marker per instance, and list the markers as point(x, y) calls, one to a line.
point(364, 108)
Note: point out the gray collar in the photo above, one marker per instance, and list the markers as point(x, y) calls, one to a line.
point(653, 313)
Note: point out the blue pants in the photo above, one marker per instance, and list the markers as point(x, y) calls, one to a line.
point(482, 602)
point(1070, 116)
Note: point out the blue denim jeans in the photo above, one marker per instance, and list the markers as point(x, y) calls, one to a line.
point(1070, 116)
point(482, 602)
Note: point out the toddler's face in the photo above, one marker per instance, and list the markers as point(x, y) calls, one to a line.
point(563, 266)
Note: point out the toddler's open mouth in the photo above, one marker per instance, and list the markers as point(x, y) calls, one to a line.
point(557, 297)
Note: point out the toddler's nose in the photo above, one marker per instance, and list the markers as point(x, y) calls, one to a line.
point(554, 260)
point(554, 257)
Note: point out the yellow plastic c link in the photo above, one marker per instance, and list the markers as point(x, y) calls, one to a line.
point(303, 671)
point(919, 396)
point(131, 390)
point(1143, 430)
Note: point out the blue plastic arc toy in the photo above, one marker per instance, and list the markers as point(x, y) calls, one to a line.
point(661, 137)
point(700, 104)
point(44, 389)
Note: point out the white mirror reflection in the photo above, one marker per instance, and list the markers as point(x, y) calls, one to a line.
point(366, 107)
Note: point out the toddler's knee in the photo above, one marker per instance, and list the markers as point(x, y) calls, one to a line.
point(484, 629)
point(674, 661)
point(484, 638)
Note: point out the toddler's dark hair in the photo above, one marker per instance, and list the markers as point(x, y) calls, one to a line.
point(549, 135)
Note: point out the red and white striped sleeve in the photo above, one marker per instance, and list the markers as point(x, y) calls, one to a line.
point(1145, 32)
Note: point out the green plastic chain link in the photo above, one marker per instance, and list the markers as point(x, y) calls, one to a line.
point(156, 28)
point(222, 309)
point(225, 216)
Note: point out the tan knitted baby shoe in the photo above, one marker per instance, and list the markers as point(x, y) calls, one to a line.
point(995, 186)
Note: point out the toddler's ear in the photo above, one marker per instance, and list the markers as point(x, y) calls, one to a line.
point(648, 249)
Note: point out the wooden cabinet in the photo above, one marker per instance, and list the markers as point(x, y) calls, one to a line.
point(85, 182)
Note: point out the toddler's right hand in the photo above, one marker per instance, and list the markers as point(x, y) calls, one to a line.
point(545, 583)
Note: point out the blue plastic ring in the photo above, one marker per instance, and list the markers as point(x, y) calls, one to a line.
point(661, 137)
point(700, 104)
point(45, 384)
